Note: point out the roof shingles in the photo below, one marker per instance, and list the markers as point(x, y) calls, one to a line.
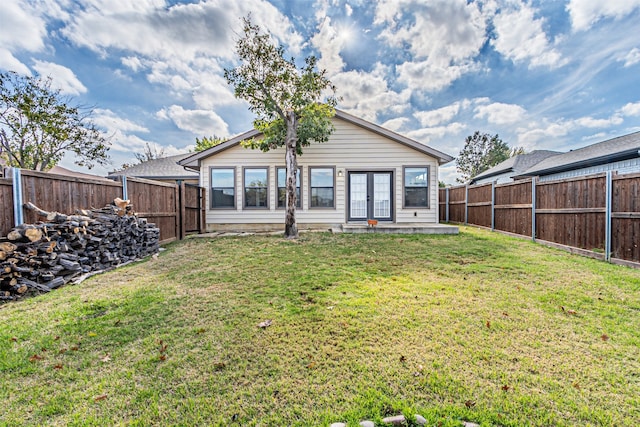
point(163, 168)
point(622, 147)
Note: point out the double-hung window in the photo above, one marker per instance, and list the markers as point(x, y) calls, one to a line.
point(256, 188)
point(416, 187)
point(322, 187)
point(282, 187)
point(223, 188)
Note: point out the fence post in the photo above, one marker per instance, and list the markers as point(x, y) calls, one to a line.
point(18, 217)
point(203, 211)
point(182, 209)
point(533, 208)
point(493, 204)
point(466, 204)
point(125, 192)
point(607, 223)
point(446, 206)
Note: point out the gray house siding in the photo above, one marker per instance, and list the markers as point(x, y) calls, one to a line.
point(622, 167)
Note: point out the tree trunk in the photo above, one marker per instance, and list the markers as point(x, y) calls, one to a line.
point(290, 227)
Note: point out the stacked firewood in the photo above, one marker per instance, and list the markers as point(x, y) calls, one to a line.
point(36, 258)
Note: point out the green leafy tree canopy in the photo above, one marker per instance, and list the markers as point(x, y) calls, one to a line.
point(208, 142)
point(287, 100)
point(38, 126)
point(482, 151)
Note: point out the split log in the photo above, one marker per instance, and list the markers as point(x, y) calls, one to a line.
point(25, 233)
point(7, 247)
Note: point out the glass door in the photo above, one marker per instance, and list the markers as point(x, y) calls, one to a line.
point(358, 196)
point(382, 195)
point(370, 196)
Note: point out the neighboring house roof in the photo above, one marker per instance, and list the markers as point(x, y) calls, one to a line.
point(192, 162)
point(612, 150)
point(517, 164)
point(162, 168)
point(59, 170)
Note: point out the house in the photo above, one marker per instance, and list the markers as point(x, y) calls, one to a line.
point(164, 169)
point(505, 171)
point(59, 170)
point(621, 154)
point(363, 172)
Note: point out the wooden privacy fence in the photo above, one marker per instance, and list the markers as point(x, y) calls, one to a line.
point(596, 215)
point(175, 209)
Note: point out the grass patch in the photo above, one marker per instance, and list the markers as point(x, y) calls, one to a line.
point(477, 327)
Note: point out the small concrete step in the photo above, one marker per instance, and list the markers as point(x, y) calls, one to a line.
point(408, 228)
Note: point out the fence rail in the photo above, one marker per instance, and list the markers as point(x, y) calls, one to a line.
point(159, 202)
point(596, 215)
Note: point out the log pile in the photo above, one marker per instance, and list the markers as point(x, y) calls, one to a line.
point(37, 258)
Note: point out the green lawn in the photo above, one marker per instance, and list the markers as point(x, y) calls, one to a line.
point(477, 327)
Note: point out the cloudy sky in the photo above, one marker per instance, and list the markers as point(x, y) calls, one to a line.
point(542, 74)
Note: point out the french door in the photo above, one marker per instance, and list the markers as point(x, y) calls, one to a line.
point(370, 196)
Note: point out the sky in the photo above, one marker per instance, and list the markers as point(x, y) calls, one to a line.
point(545, 74)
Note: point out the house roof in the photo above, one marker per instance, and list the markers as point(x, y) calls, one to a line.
point(612, 150)
point(162, 168)
point(59, 170)
point(192, 162)
point(517, 164)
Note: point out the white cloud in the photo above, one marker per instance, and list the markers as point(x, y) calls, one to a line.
point(590, 122)
point(198, 122)
point(201, 79)
point(520, 37)
point(436, 117)
point(459, 25)
point(212, 92)
point(22, 28)
point(185, 31)
point(430, 77)
point(132, 62)
point(499, 113)
point(396, 124)
point(448, 174)
point(631, 58)
point(366, 94)
point(425, 135)
point(585, 13)
point(329, 42)
point(542, 136)
point(61, 77)
point(180, 46)
point(110, 121)
point(631, 109)
point(439, 60)
point(128, 143)
point(8, 62)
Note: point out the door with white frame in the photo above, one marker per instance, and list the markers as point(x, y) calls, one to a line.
point(370, 196)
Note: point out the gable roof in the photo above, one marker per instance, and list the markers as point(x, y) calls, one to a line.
point(192, 162)
point(162, 168)
point(612, 150)
point(517, 164)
